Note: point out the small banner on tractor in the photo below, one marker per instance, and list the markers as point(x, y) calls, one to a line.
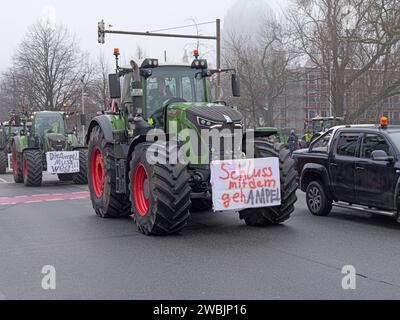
point(244, 184)
point(62, 162)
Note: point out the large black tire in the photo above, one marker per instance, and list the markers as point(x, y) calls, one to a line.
point(200, 205)
point(81, 178)
point(317, 201)
point(3, 162)
point(160, 195)
point(17, 166)
point(107, 204)
point(33, 168)
point(275, 215)
point(67, 177)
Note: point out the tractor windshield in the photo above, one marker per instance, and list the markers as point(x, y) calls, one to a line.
point(49, 123)
point(174, 82)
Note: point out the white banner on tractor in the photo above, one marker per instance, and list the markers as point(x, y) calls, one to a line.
point(61, 162)
point(244, 184)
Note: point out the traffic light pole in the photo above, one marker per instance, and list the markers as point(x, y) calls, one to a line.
point(102, 31)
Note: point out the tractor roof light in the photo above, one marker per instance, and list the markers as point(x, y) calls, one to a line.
point(384, 122)
point(201, 64)
point(149, 64)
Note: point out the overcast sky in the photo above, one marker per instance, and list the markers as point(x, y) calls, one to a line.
point(81, 17)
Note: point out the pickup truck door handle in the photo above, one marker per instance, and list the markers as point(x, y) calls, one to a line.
point(333, 164)
point(360, 169)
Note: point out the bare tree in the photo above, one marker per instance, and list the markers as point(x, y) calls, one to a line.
point(49, 67)
point(98, 88)
point(264, 67)
point(350, 42)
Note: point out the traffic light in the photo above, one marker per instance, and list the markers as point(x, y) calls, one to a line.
point(101, 31)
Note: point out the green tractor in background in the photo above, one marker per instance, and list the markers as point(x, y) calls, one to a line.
point(160, 197)
point(7, 131)
point(3, 149)
point(48, 135)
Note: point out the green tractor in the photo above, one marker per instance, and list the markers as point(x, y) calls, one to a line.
point(3, 149)
point(47, 145)
point(123, 179)
point(7, 131)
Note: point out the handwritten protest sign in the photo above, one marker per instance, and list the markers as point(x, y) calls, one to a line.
point(62, 162)
point(247, 183)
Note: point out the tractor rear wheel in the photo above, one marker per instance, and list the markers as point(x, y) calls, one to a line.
point(33, 168)
point(17, 166)
point(159, 193)
point(102, 179)
point(275, 215)
point(65, 177)
point(3, 162)
point(80, 178)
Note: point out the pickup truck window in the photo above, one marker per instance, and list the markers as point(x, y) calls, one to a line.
point(347, 144)
point(321, 145)
point(396, 139)
point(374, 142)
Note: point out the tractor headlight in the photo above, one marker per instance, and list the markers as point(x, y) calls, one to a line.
point(200, 64)
point(149, 63)
point(205, 123)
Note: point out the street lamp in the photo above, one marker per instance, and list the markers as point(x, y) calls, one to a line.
point(83, 117)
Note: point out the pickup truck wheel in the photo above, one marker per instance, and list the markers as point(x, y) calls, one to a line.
point(275, 215)
point(3, 162)
point(317, 201)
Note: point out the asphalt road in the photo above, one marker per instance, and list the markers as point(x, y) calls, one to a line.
point(216, 257)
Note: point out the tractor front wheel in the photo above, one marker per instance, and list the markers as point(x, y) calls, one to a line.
point(80, 178)
point(33, 168)
point(3, 162)
point(102, 179)
point(288, 175)
point(17, 166)
point(159, 193)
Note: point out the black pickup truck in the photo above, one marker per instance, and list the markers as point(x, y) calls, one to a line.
point(353, 167)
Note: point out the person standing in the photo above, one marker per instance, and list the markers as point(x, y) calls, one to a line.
point(293, 142)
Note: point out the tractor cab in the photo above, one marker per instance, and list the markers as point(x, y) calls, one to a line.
point(48, 123)
point(148, 91)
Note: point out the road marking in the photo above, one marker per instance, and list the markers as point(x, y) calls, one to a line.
point(3, 181)
point(44, 198)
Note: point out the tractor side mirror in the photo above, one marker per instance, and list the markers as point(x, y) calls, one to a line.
point(115, 86)
point(236, 85)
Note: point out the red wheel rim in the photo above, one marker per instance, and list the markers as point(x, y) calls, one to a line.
point(141, 190)
point(25, 168)
point(98, 172)
point(15, 164)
